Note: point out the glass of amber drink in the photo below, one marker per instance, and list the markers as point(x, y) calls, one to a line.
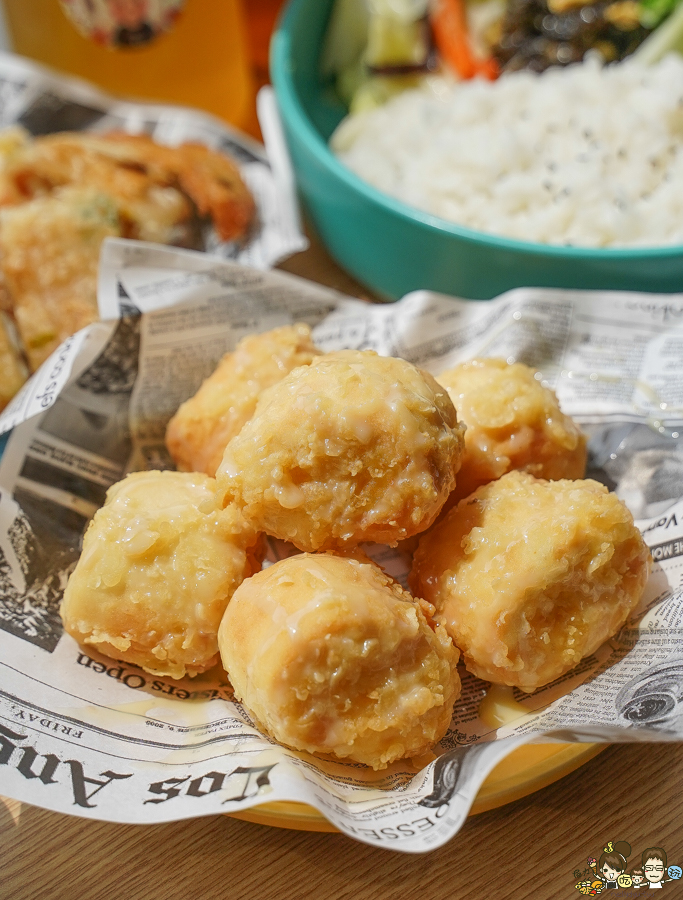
point(192, 52)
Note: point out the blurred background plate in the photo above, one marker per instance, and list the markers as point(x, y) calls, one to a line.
point(393, 248)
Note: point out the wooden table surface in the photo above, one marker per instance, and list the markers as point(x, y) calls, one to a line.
point(531, 847)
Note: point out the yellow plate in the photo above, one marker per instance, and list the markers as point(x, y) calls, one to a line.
point(525, 770)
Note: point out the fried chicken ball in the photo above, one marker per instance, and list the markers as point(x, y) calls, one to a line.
point(199, 432)
point(333, 657)
point(355, 447)
point(211, 179)
point(160, 562)
point(529, 576)
point(513, 422)
point(62, 194)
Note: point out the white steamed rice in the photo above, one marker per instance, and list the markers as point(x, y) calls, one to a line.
point(582, 155)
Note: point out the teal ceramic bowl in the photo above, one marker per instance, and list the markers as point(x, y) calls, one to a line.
point(394, 248)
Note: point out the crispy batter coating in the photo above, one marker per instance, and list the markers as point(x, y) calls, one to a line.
point(62, 194)
point(49, 253)
point(199, 432)
point(215, 185)
point(333, 657)
point(13, 371)
point(513, 422)
point(148, 181)
point(147, 198)
point(160, 562)
point(529, 576)
point(355, 447)
point(13, 141)
point(209, 178)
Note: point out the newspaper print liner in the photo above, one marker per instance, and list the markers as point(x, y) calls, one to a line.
point(87, 735)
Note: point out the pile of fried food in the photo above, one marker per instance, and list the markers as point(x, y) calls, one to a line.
point(62, 194)
point(521, 566)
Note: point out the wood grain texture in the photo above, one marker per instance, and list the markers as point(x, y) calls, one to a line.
point(317, 265)
point(531, 847)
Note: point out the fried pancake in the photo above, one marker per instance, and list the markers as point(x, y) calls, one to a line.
point(355, 447)
point(149, 182)
point(53, 279)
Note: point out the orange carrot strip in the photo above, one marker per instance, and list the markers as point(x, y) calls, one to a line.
point(449, 26)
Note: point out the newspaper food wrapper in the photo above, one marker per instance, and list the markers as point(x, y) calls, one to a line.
point(87, 735)
point(43, 102)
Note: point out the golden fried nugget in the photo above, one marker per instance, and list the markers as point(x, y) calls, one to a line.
point(50, 249)
point(355, 447)
point(160, 562)
point(13, 372)
point(513, 422)
point(199, 432)
point(332, 656)
point(529, 576)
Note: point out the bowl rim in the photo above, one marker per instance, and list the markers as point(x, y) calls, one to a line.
point(294, 114)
